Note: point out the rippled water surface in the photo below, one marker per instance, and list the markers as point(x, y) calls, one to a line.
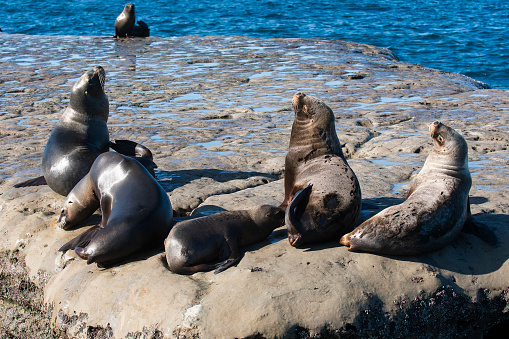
point(468, 37)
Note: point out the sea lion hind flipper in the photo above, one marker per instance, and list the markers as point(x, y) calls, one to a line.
point(131, 148)
point(81, 240)
point(32, 182)
point(230, 250)
point(220, 267)
point(480, 230)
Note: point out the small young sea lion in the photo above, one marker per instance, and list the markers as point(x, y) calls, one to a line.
point(214, 241)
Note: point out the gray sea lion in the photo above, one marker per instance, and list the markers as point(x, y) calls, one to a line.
point(136, 211)
point(79, 136)
point(125, 24)
point(436, 209)
point(214, 241)
point(329, 201)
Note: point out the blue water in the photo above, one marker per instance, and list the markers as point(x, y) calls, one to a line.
point(461, 36)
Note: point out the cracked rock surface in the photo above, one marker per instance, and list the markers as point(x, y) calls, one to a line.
point(216, 113)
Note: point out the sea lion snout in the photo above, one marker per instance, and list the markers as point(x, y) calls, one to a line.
point(295, 239)
point(297, 100)
point(129, 7)
point(61, 223)
point(434, 126)
point(101, 74)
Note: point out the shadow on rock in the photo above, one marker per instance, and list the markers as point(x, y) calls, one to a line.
point(139, 256)
point(468, 254)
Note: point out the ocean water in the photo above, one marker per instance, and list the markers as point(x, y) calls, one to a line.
point(467, 37)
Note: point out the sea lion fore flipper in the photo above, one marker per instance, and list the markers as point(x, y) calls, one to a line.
point(32, 182)
point(297, 206)
point(81, 240)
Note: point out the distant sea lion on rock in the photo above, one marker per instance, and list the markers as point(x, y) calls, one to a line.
point(125, 24)
point(322, 193)
point(214, 242)
point(79, 136)
point(136, 211)
point(436, 209)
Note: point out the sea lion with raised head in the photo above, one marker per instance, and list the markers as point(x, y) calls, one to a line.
point(214, 241)
point(136, 211)
point(80, 136)
point(125, 24)
point(322, 193)
point(436, 209)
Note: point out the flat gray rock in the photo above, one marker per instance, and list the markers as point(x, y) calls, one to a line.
point(216, 112)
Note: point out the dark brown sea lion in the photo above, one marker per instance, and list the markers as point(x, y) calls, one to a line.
point(214, 241)
point(136, 211)
point(436, 209)
point(329, 199)
point(79, 136)
point(125, 24)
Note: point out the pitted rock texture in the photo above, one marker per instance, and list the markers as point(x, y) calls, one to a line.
point(216, 113)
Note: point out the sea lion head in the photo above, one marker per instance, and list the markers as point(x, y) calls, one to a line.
point(448, 144)
point(87, 95)
point(314, 121)
point(268, 217)
point(307, 107)
point(79, 204)
point(129, 9)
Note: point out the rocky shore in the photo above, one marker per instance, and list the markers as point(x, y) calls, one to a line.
point(216, 112)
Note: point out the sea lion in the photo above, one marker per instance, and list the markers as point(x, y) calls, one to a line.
point(329, 199)
point(125, 24)
point(136, 211)
point(436, 209)
point(79, 136)
point(214, 241)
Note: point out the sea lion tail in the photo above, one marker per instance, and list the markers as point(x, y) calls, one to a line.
point(81, 240)
point(32, 182)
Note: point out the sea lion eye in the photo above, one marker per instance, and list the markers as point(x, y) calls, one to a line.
point(440, 139)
